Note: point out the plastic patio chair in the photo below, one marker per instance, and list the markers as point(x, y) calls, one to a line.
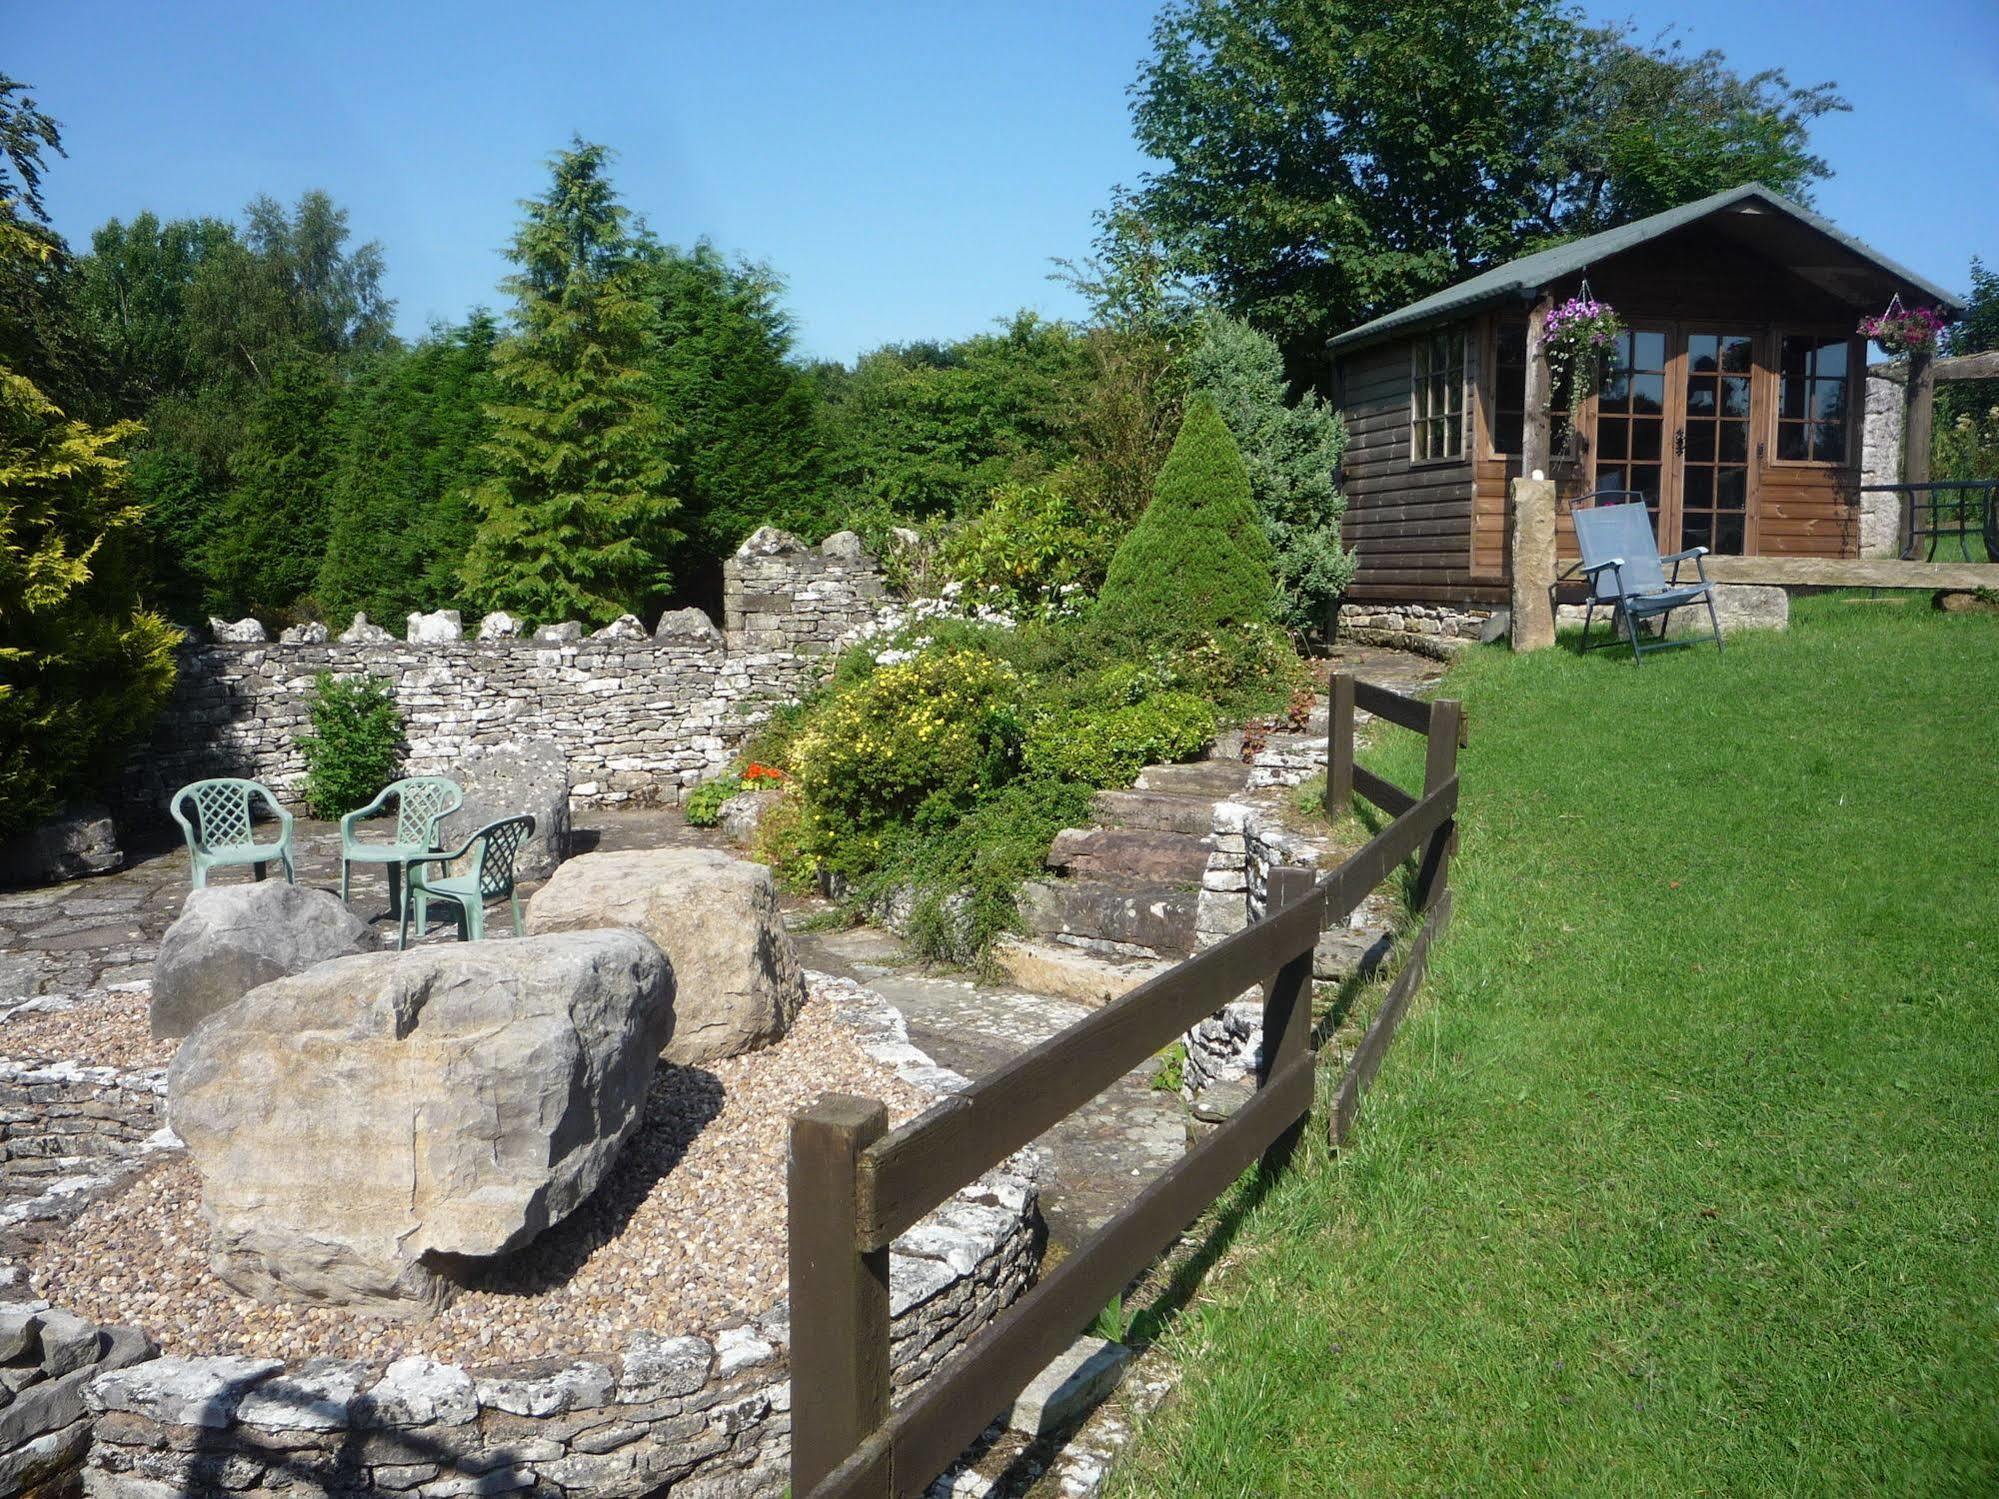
point(422, 804)
point(1621, 561)
point(492, 850)
point(220, 833)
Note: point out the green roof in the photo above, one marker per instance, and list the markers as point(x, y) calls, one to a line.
point(1523, 279)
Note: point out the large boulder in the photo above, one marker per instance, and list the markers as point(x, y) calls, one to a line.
point(504, 780)
point(362, 1125)
point(231, 938)
point(82, 841)
point(737, 980)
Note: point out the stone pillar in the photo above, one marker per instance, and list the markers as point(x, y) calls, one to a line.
point(1881, 531)
point(1531, 545)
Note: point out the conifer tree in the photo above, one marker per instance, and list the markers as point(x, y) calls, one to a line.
point(1198, 558)
point(576, 518)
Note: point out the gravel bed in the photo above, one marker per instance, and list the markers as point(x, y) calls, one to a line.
point(98, 1028)
point(686, 1235)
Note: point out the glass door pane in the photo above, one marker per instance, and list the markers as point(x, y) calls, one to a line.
point(1714, 468)
point(1631, 417)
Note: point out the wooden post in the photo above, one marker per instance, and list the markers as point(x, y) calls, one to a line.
point(839, 1295)
point(1537, 442)
point(1440, 763)
point(1287, 1005)
point(1339, 745)
point(1920, 393)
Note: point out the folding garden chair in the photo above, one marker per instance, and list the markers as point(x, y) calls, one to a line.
point(1622, 565)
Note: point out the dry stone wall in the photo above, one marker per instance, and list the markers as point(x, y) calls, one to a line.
point(638, 717)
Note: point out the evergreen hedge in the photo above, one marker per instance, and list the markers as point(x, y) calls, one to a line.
point(1198, 558)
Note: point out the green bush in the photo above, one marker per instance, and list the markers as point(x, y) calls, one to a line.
point(1109, 744)
point(82, 668)
point(1029, 552)
point(703, 807)
point(1198, 559)
point(915, 742)
point(356, 744)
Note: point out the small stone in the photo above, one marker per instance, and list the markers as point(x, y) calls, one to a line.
point(739, 1348)
point(657, 1368)
point(182, 1391)
point(68, 1342)
point(312, 632)
point(563, 634)
point(236, 632)
point(1073, 1384)
point(624, 627)
point(845, 545)
point(319, 1397)
point(418, 1392)
point(441, 627)
point(362, 632)
point(499, 625)
point(20, 1330)
point(581, 1386)
point(688, 627)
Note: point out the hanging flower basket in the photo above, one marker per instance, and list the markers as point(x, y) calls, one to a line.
point(1576, 337)
point(1905, 330)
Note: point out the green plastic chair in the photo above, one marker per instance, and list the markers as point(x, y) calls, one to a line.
point(219, 834)
point(492, 850)
point(422, 803)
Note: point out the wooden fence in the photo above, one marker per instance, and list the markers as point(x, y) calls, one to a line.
point(855, 1185)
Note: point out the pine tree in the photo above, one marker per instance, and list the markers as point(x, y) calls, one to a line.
point(575, 521)
point(1198, 558)
point(411, 438)
point(1291, 452)
point(82, 667)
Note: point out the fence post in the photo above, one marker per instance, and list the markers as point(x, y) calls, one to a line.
point(1339, 745)
point(1440, 763)
point(1287, 1004)
point(839, 1294)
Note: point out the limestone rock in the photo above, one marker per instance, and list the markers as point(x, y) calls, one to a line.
point(504, 780)
point(361, 1125)
point(441, 627)
point(499, 625)
point(562, 634)
point(1080, 1377)
point(182, 1391)
point(362, 632)
point(737, 979)
point(768, 541)
point(687, 626)
point(236, 632)
point(1960, 601)
point(82, 841)
point(905, 536)
point(739, 816)
point(312, 632)
point(1738, 606)
point(624, 627)
point(231, 938)
point(845, 545)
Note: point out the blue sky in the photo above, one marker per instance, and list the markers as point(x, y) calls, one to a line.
point(909, 168)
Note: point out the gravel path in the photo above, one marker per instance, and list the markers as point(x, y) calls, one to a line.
point(100, 1028)
point(686, 1235)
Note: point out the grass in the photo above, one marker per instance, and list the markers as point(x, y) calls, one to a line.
point(1681, 1181)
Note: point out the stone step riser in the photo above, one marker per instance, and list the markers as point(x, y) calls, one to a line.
point(1148, 920)
point(1136, 853)
point(1154, 811)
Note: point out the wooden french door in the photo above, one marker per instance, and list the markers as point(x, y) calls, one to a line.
point(1674, 421)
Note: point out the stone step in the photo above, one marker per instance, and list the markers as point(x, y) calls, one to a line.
point(1112, 918)
point(1070, 973)
point(1142, 853)
point(1156, 810)
point(1212, 779)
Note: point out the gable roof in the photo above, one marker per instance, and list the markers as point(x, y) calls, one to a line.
point(1522, 279)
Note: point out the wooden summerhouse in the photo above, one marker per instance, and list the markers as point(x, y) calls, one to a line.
point(1733, 401)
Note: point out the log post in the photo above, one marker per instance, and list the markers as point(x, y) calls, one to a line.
point(1920, 393)
point(839, 1295)
point(1537, 443)
point(1287, 1005)
point(1440, 763)
point(1339, 745)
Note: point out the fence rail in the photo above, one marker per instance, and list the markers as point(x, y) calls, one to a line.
point(855, 1185)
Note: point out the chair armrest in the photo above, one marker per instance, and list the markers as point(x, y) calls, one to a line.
point(277, 808)
point(186, 827)
point(1694, 553)
point(1591, 569)
point(447, 857)
point(348, 819)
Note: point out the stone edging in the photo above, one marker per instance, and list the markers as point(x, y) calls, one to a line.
point(710, 1412)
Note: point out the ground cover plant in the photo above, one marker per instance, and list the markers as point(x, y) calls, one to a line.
point(1679, 1181)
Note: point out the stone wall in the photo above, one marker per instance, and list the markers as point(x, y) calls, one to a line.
point(1428, 629)
point(639, 718)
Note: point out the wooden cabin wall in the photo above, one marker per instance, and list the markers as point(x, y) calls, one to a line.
point(1410, 525)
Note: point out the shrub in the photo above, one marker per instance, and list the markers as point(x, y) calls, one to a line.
point(1109, 744)
point(703, 807)
point(1028, 552)
point(1198, 559)
point(356, 744)
point(917, 741)
point(82, 668)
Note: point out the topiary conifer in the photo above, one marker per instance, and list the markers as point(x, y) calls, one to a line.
point(1198, 557)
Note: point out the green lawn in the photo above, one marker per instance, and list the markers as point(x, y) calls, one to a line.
point(1684, 1179)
